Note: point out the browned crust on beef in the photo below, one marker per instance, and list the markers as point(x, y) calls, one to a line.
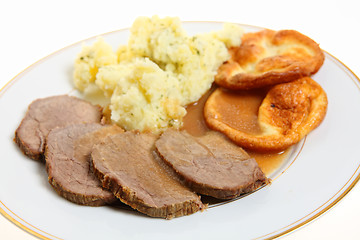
point(30, 119)
point(205, 175)
point(80, 199)
point(224, 193)
point(227, 193)
point(57, 170)
point(24, 147)
point(130, 197)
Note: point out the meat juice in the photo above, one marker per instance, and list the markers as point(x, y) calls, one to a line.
point(240, 112)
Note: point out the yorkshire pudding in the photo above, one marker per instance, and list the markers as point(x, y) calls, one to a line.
point(287, 113)
point(269, 57)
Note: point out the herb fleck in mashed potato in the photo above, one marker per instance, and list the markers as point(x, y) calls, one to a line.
point(162, 69)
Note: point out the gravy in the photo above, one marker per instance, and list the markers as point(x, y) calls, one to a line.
point(194, 121)
point(239, 110)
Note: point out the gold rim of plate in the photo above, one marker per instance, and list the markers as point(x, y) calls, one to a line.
point(353, 180)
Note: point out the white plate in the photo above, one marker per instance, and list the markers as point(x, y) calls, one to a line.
point(320, 171)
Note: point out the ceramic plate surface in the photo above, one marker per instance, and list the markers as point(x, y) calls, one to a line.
point(317, 174)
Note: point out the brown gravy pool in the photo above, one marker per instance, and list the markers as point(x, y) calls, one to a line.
point(244, 106)
point(239, 110)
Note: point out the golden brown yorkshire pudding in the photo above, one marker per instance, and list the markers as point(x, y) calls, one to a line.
point(287, 113)
point(267, 58)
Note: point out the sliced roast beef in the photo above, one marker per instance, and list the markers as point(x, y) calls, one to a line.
point(126, 165)
point(47, 113)
point(67, 157)
point(210, 164)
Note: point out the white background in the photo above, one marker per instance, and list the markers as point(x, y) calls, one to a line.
point(31, 30)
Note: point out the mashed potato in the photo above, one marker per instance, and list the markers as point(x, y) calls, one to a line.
point(161, 70)
point(90, 60)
